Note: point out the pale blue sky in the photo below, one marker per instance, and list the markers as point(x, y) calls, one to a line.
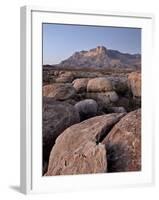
point(61, 41)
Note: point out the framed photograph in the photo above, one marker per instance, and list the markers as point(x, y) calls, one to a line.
point(86, 100)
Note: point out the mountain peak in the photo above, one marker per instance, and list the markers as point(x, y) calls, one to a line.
point(101, 49)
point(101, 57)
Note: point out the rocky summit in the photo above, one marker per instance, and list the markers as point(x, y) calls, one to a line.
point(101, 57)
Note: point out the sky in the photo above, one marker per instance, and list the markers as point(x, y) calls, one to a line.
point(61, 41)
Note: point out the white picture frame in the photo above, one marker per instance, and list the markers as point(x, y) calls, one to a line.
point(32, 180)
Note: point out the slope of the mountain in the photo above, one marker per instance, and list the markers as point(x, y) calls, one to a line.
point(101, 57)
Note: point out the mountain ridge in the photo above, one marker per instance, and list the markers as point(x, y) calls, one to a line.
point(101, 57)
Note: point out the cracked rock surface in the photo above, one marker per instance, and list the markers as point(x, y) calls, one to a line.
point(78, 150)
point(123, 144)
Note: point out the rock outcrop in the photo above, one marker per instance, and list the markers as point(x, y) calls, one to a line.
point(78, 149)
point(59, 91)
point(123, 144)
point(57, 116)
point(91, 117)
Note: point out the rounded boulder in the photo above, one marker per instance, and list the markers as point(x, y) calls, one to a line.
point(80, 84)
point(99, 85)
point(87, 108)
point(59, 91)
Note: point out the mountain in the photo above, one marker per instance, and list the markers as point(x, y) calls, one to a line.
point(101, 57)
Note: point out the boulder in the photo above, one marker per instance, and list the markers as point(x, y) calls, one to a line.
point(121, 87)
point(99, 85)
point(87, 108)
point(65, 77)
point(59, 91)
point(78, 149)
point(103, 97)
point(134, 82)
point(57, 116)
point(80, 84)
point(119, 83)
point(129, 103)
point(116, 110)
point(123, 102)
point(123, 144)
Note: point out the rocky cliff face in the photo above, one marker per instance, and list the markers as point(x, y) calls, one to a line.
point(101, 57)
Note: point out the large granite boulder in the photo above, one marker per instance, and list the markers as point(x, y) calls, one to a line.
point(80, 84)
point(59, 91)
point(65, 77)
point(123, 144)
point(57, 116)
point(78, 150)
point(87, 108)
point(103, 97)
point(99, 85)
point(119, 82)
point(134, 82)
